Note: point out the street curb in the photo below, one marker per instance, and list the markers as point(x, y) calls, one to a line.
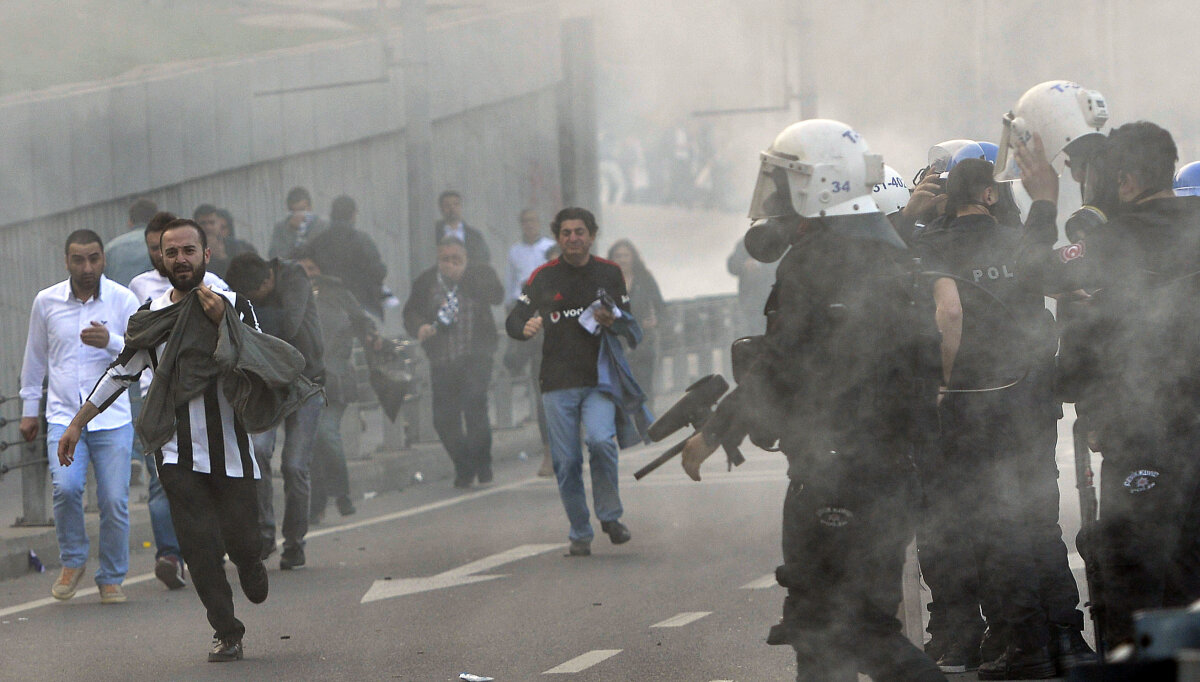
point(385, 471)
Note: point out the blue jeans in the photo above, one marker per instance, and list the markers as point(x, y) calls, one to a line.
point(566, 409)
point(108, 453)
point(299, 432)
point(329, 477)
point(165, 542)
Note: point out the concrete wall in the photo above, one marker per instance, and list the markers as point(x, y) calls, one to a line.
point(211, 132)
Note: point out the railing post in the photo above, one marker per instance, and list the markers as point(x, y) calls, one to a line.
point(34, 485)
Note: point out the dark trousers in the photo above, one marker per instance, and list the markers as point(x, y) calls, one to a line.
point(328, 475)
point(846, 525)
point(991, 536)
point(299, 430)
point(460, 414)
point(1148, 528)
point(214, 515)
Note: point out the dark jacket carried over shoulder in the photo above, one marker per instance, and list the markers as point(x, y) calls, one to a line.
point(290, 313)
point(480, 287)
point(262, 375)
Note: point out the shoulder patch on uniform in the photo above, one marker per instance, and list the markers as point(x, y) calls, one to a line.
point(1140, 481)
point(1070, 252)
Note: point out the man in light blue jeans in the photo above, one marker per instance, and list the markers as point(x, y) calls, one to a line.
point(565, 410)
point(108, 453)
point(76, 329)
point(553, 301)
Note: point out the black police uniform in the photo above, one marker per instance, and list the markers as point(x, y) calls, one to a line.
point(1139, 383)
point(835, 383)
point(992, 497)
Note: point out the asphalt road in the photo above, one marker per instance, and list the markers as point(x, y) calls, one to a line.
point(430, 582)
point(672, 604)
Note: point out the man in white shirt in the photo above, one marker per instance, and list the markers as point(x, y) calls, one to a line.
point(76, 328)
point(524, 257)
point(207, 467)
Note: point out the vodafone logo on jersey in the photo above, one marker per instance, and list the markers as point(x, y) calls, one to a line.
point(560, 314)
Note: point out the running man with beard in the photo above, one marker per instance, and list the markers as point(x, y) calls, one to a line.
point(207, 469)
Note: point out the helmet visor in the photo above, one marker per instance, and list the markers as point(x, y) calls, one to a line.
point(771, 195)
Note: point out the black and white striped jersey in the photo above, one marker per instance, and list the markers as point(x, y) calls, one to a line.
point(209, 436)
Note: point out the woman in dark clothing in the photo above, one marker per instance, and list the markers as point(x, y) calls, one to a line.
point(646, 302)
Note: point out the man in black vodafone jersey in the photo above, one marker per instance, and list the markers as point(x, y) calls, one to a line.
point(554, 300)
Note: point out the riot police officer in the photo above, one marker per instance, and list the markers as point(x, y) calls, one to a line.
point(1137, 360)
point(834, 381)
point(996, 500)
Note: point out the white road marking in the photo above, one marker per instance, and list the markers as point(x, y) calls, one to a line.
point(682, 619)
point(762, 583)
point(463, 575)
point(581, 663)
point(82, 592)
point(432, 506)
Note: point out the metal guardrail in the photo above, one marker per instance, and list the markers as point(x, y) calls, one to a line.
point(35, 476)
point(693, 340)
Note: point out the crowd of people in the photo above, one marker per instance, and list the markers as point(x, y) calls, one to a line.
point(128, 345)
point(907, 366)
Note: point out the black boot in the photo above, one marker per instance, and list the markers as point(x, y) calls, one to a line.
point(991, 646)
point(1020, 664)
point(1069, 648)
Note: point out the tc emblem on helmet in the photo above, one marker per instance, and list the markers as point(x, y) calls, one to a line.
point(1140, 481)
point(834, 517)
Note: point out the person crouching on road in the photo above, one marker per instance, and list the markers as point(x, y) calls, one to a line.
point(555, 299)
point(449, 312)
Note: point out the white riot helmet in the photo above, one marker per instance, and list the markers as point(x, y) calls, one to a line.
point(892, 194)
point(816, 168)
point(1062, 112)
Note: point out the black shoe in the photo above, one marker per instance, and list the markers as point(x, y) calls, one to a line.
point(1020, 664)
point(254, 582)
point(462, 483)
point(485, 477)
point(580, 548)
point(937, 645)
point(268, 548)
point(958, 658)
point(1069, 648)
point(617, 532)
point(991, 646)
point(345, 506)
point(291, 559)
point(223, 650)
